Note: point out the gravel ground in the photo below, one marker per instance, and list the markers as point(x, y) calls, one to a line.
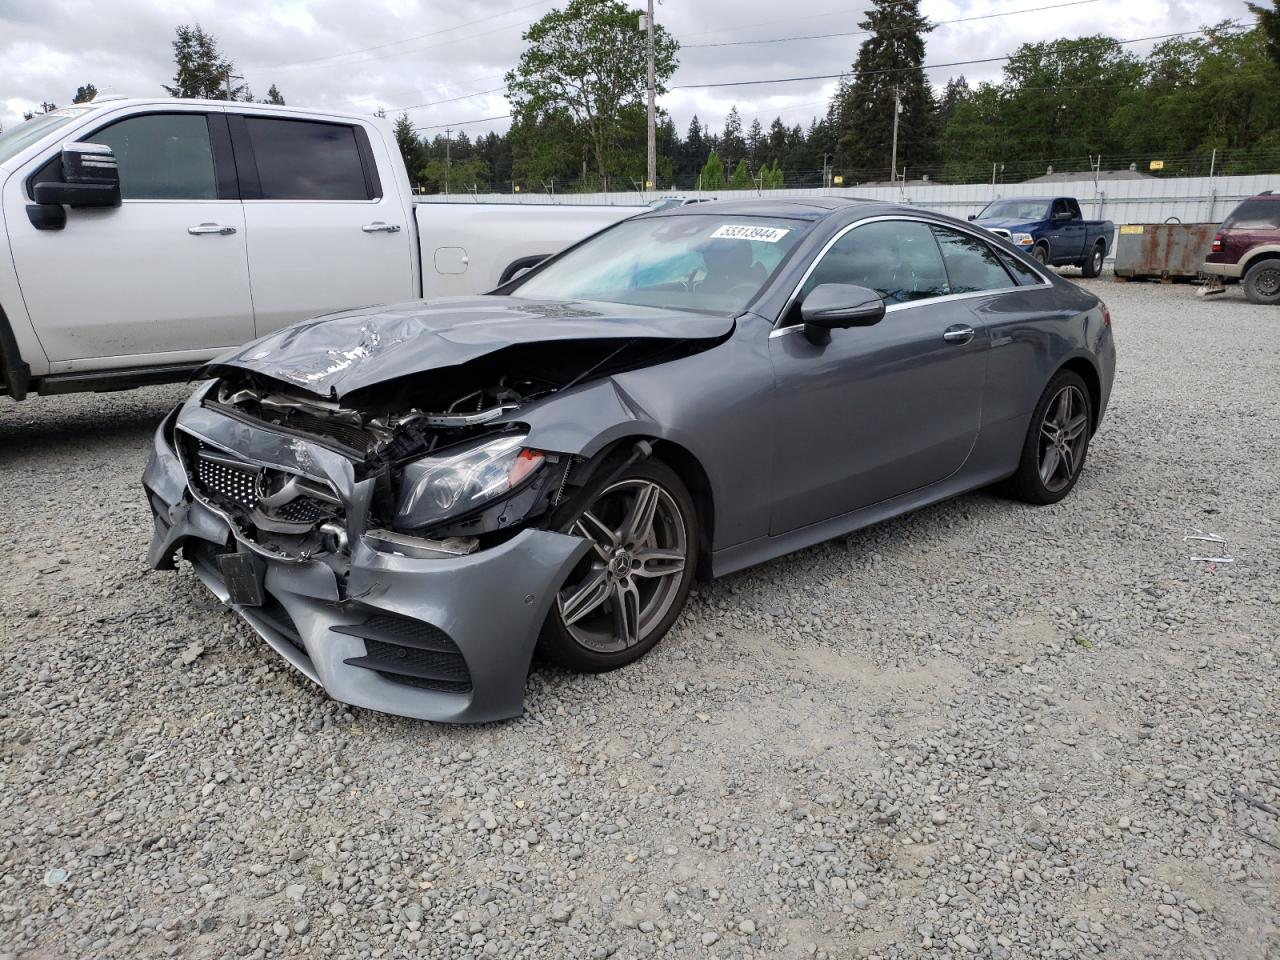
point(985, 730)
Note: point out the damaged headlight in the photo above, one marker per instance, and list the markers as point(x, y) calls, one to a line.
point(463, 478)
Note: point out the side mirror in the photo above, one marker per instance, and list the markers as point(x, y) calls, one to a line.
point(973, 216)
point(90, 178)
point(1062, 216)
point(832, 306)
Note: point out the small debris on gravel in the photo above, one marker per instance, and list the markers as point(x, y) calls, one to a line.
point(983, 730)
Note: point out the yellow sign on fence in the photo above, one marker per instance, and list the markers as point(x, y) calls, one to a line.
point(837, 180)
point(1157, 164)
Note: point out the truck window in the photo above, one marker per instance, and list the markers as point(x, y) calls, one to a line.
point(1073, 208)
point(971, 265)
point(1061, 206)
point(306, 160)
point(162, 156)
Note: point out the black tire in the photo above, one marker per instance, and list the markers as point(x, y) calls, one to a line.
point(1028, 483)
point(1092, 265)
point(586, 646)
point(1041, 254)
point(1261, 282)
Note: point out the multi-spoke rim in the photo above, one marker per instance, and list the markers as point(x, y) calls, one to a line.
point(1064, 433)
point(631, 577)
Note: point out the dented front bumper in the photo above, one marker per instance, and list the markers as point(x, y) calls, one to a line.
point(446, 639)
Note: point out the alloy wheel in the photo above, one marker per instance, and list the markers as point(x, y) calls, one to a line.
point(1064, 434)
point(633, 573)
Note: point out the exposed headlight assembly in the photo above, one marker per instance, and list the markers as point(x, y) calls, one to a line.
point(463, 478)
point(1022, 239)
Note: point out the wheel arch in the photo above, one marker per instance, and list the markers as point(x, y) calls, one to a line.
point(691, 473)
point(1256, 257)
point(1084, 368)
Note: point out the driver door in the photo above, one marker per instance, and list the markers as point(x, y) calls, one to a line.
point(880, 410)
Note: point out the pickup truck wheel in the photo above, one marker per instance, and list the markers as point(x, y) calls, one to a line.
point(1092, 267)
point(1262, 282)
point(1041, 253)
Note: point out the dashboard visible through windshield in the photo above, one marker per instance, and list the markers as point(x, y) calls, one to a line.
point(698, 262)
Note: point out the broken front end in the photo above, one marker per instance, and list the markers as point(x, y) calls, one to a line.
point(401, 556)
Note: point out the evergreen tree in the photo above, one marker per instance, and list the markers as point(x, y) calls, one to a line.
point(85, 94)
point(409, 144)
point(888, 60)
point(732, 147)
point(202, 71)
point(275, 96)
point(741, 177)
point(713, 173)
point(694, 150)
point(755, 142)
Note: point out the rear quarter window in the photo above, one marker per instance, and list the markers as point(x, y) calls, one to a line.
point(1255, 214)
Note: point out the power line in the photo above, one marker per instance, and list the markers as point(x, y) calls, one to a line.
point(867, 33)
point(462, 123)
point(435, 103)
point(394, 43)
point(923, 66)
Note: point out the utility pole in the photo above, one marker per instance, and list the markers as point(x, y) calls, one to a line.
point(447, 159)
point(897, 109)
point(231, 76)
point(652, 168)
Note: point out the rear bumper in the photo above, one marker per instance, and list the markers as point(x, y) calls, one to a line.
point(434, 639)
point(1229, 270)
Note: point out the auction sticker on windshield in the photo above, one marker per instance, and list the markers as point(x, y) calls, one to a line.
point(743, 231)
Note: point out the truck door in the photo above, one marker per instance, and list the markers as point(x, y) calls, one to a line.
point(325, 233)
point(163, 273)
point(1066, 231)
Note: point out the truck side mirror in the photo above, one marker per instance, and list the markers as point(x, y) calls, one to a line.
point(90, 178)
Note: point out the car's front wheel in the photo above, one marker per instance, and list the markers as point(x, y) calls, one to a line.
point(1261, 282)
point(1056, 444)
point(629, 589)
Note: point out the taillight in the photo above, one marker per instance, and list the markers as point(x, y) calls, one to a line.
point(1217, 244)
point(1106, 316)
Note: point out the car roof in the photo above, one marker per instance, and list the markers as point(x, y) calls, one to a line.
point(793, 208)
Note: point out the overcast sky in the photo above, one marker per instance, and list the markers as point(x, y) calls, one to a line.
point(433, 50)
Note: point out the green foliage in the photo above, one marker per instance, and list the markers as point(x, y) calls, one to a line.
point(741, 179)
point(201, 70)
point(771, 177)
point(1064, 101)
point(85, 93)
point(713, 173)
point(1269, 25)
point(275, 96)
point(407, 140)
point(586, 63)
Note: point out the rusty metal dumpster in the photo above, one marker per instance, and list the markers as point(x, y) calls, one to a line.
point(1162, 251)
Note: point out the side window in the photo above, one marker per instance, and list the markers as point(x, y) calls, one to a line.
point(1255, 214)
point(1023, 274)
point(1073, 208)
point(971, 264)
point(306, 160)
point(897, 258)
point(162, 156)
point(1061, 206)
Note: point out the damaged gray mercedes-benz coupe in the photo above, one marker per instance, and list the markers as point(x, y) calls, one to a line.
point(405, 501)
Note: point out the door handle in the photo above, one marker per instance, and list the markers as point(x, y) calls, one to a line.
point(379, 227)
point(958, 334)
point(211, 228)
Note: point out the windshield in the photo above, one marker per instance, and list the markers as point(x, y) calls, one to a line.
point(698, 262)
point(28, 132)
point(1015, 210)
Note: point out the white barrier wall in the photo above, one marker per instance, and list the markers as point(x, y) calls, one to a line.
point(1190, 199)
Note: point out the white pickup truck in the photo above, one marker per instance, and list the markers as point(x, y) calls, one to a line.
point(146, 236)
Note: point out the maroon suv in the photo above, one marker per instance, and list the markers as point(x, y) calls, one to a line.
point(1247, 248)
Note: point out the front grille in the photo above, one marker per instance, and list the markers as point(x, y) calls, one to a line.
point(237, 484)
point(349, 435)
point(410, 652)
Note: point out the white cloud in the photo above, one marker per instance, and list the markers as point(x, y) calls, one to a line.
point(124, 46)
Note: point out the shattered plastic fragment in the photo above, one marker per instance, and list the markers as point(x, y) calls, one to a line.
point(55, 877)
point(1195, 534)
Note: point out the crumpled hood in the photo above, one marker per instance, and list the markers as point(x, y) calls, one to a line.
point(336, 354)
point(1012, 224)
